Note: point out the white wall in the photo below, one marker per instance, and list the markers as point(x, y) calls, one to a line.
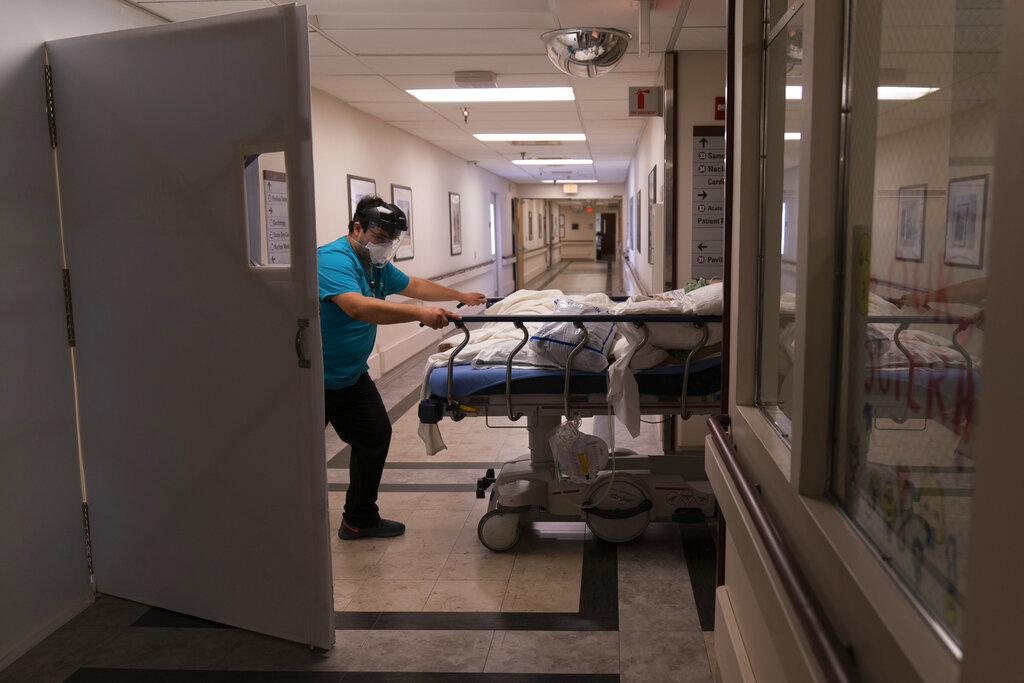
point(585, 191)
point(42, 546)
point(347, 141)
point(580, 243)
point(701, 78)
point(649, 153)
point(919, 156)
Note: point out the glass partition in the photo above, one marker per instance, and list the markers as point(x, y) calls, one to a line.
point(921, 133)
point(783, 88)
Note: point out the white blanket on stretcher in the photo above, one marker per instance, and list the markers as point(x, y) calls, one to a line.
point(491, 344)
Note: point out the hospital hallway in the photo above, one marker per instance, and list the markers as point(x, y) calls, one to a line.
point(434, 604)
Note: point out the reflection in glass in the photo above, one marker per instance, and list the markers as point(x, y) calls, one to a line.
point(781, 145)
point(266, 208)
point(920, 180)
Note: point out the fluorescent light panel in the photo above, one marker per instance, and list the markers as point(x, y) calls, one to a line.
point(891, 92)
point(885, 92)
point(551, 162)
point(463, 95)
point(575, 181)
point(790, 136)
point(529, 137)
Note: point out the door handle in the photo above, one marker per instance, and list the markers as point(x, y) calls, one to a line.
point(303, 324)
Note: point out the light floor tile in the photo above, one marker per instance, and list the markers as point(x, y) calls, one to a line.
point(478, 566)
point(657, 605)
point(579, 652)
point(354, 564)
point(388, 595)
point(344, 591)
point(468, 542)
point(709, 646)
point(399, 500)
point(652, 563)
point(360, 545)
point(425, 541)
point(533, 595)
point(666, 657)
point(436, 519)
point(422, 651)
point(562, 563)
point(472, 595)
point(447, 501)
point(409, 566)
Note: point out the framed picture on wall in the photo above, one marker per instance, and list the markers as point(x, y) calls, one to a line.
point(357, 189)
point(629, 226)
point(561, 220)
point(455, 222)
point(965, 220)
point(652, 188)
point(636, 224)
point(402, 197)
point(910, 223)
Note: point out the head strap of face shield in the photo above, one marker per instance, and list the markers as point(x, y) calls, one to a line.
point(378, 213)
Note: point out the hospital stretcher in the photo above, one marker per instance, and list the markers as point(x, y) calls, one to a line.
point(903, 502)
point(916, 391)
point(632, 490)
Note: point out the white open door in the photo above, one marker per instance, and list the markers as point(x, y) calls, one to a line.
point(201, 431)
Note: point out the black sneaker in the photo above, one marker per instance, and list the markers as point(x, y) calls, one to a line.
point(384, 528)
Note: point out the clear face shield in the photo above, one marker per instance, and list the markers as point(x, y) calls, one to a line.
point(387, 224)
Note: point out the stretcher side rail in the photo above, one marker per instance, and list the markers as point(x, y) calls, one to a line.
point(456, 410)
point(903, 322)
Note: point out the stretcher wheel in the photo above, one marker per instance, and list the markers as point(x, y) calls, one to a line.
point(621, 511)
point(498, 531)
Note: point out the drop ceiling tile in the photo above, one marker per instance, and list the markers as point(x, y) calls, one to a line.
point(449, 64)
point(702, 38)
point(397, 42)
point(184, 11)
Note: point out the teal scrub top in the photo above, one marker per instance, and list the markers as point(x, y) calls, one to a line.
point(348, 342)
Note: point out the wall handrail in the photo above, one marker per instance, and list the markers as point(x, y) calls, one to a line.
point(482, 264)
point(828, 650)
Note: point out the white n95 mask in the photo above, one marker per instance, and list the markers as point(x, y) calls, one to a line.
point(383, 252)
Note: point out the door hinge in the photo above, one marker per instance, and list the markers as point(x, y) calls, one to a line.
point(68, 314)
point(88, 536)
point(51, 119)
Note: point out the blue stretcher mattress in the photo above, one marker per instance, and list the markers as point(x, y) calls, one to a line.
point(944, 394)
point(705, 379)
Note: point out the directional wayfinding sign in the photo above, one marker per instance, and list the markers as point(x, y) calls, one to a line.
point(708, 202)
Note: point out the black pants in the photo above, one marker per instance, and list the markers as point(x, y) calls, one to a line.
point(358, 415)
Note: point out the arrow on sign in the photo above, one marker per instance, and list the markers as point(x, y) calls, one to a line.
point(702, 194)
point(703, 142)
point(702, 246)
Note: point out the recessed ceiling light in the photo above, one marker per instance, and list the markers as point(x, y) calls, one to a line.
point(892, 92)
point(791, 136)
point(885, 92)
point(528, 137)
point(551, 162)
point(547, 181)
point(575, 181)
point(494, 94)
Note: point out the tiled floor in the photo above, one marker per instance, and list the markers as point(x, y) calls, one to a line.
point(434, 604)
